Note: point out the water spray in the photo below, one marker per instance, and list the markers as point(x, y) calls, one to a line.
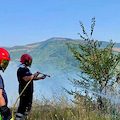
point(112, 98)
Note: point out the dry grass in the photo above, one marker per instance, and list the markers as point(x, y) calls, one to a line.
point(32, 46)
point(116, 49)
point(15, 50)
point(62, 109)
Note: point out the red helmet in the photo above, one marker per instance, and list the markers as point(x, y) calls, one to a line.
point(26, 59)
point(4, 59)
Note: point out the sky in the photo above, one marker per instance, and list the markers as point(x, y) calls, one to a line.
point(24, 22)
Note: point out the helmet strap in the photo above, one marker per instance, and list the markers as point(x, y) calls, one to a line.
point(0, 67)
point(26, 62)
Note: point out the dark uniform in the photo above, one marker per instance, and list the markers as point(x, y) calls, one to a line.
point(2, 87)
point(4, 110)
point(27, 96)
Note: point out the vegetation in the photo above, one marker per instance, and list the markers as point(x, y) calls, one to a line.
point(62, 109)
point(99, 69)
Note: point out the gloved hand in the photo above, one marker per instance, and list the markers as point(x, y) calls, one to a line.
point(43, 77)
point(36, 74)
point(11, 119)
point(6, 112)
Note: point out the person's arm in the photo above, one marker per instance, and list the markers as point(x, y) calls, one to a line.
point(3, 107)
point(28, 78)
point(2, 100)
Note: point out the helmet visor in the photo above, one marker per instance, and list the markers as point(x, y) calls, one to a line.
point(4, 64)
point(30, 62)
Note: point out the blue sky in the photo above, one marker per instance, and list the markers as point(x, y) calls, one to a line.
point(28, 21)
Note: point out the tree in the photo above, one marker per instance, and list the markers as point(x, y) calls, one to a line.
point(98, 65)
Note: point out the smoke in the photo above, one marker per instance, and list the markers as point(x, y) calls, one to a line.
point(53, 85)
point(44, 88)
point(48, 87)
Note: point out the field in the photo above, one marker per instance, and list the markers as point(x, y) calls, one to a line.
point(62, 109)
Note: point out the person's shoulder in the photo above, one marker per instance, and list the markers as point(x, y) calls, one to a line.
point(27, 68)
point(21, 69)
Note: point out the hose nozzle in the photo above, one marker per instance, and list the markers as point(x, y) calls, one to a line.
point(44, 74)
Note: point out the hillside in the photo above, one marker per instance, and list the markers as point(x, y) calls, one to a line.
point(52, 54)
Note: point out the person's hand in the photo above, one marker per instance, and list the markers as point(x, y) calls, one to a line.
point(36, 74)
point(43, 77)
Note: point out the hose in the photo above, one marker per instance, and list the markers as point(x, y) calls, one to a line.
point(18, 99)
point(22, 93)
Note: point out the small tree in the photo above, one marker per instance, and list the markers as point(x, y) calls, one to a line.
point(98, 64)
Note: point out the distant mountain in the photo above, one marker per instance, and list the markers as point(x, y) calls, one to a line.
point(51, 54)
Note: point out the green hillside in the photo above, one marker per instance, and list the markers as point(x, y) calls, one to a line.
point(51, 54)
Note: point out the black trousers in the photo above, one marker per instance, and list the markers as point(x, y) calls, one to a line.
point(25, 103)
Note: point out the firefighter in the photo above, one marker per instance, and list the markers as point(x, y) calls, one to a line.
point(4, 110)
point(24, 75)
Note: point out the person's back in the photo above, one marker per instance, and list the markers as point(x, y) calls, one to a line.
point(21, 72)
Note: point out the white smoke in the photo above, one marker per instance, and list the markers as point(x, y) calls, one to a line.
point(47, 87)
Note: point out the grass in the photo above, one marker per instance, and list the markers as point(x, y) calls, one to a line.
point(62, 109)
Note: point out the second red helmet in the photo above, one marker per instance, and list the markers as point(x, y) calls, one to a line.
point(26, 59)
